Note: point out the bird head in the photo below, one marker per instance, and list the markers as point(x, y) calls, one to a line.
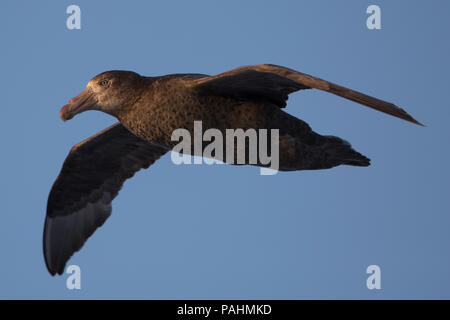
point(109, 92)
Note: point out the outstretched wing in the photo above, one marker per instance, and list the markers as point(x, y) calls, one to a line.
point(274, 83)
point(91, 176)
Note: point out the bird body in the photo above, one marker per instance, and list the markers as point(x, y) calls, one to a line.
point(150, 109)
point(154, 115)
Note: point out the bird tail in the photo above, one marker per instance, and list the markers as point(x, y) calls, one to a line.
point(340, 152)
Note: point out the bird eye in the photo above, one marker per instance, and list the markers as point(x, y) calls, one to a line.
point(103, 82)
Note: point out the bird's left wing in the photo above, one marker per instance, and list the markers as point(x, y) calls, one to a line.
point(91, 176)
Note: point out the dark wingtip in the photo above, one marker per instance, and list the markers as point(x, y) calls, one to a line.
point(418, 123)
point(53, 270)
point(48, 264)
point(406, 116)
point(50, 269)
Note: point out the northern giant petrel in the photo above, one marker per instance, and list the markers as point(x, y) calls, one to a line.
point(149, 109)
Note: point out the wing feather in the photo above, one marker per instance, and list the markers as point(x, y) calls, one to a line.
point(91, 177)
point(275, 83)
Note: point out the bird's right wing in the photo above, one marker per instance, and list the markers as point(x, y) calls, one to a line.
point(275, 83)
point(91, 176)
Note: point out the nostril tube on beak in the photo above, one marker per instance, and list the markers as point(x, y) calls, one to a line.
point(82, 102)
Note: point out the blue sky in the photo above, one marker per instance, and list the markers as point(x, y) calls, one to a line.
point(212, 232)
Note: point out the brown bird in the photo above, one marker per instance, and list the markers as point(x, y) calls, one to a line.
point(149, 109)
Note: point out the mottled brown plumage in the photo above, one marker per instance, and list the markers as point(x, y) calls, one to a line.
point(151, 108)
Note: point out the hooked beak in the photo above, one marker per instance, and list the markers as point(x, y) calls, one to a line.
point(82, 102)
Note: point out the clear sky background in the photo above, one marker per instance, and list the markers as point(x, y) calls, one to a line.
point(213, 232)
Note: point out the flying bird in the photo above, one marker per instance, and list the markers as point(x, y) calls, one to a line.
point(149, 109)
